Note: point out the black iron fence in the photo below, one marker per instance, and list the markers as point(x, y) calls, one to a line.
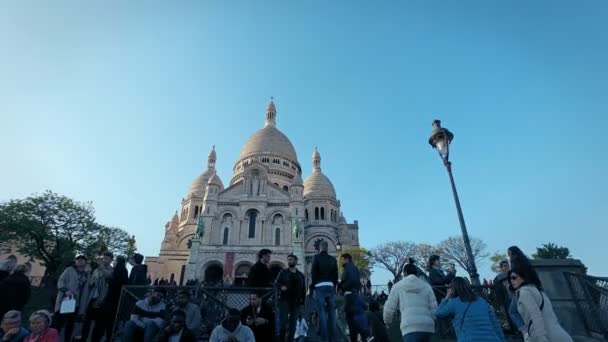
point(591, 298)
point(214, 303)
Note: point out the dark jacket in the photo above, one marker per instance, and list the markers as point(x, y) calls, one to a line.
point(120, 277)
point(377, 327)
point(262, 332)
point(439, 281)
point(295, 283)
point(259, 276)
point(4, 274)
point(15, 291)
point(350, 279)
point(324, 268)
point(139, 275)
point(187, 336)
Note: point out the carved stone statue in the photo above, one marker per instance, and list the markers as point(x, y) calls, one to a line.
point(255, 186)
point(297, 228)
point(200, 228)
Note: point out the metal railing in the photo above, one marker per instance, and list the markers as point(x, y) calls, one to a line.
point(214, 303)
point(590, 295)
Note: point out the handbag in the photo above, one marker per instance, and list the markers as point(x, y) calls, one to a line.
point(68, 306)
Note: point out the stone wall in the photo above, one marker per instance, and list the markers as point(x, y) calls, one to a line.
point(551, 274)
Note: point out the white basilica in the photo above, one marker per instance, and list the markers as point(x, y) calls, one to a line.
point(220, 230)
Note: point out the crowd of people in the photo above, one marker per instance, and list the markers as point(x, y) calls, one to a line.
point(88, 293)
point(88, 297)
point(446, 296)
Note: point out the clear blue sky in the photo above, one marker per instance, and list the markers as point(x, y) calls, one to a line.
point(119, 102)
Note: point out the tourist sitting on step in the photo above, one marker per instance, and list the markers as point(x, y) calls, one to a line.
point(231, 330)
point(147, 317)
point(192, 311)
point(259, 317)
point(176, 330)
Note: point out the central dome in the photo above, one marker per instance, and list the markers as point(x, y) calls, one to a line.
point(269, 140)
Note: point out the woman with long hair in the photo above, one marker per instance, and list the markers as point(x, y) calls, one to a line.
point(536, 309)
point(473, 318)
point(518, 260)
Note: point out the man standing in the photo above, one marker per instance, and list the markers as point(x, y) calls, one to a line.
point(415, 299)
point(7, 266)
point(139, 272)
point(350, 283)
point(98, 291)
point(15, 291)
point(293, 293)
point(324, 274)
point(259, 275)
point(259, 318)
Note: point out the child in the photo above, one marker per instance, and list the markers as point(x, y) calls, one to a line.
point(301, 329)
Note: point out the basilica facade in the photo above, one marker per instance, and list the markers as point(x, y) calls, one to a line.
point(219, 230)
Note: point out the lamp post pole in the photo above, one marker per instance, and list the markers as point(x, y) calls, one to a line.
point(440, 139)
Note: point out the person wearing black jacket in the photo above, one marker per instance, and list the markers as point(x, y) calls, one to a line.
point(15, 291)
point(438, 278)
point(259, 274)
point(350, 284)
point(291, 284)
point(259, 317)
point(120, 277)
point(324, 274)
point(139, 272)
point(176, 330)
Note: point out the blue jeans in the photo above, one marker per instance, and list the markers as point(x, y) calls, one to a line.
point(514, 314)
point(418, 336)
point(288, 315)
point(326, 295)
point(133, 332)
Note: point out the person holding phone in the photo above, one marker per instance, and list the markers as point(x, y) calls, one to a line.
point(473, 318)
point(439, 278)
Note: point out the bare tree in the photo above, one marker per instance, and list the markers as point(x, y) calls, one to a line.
point(424, 252)
point(453, 249)
point(392, 256)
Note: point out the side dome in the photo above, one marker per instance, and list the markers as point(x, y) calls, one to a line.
point(199, 184)
point(317, 184)
point(215, 180)
point(269, 140)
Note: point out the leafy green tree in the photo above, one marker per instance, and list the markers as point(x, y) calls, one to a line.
point(361, 258)
point(52, 229)
point(552, 251)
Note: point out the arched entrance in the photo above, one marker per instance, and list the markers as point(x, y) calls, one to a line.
point(275, 268)
point(214, 274)
point(240, 274)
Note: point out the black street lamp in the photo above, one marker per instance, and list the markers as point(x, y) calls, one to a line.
point(338, 243)
point(440, 139)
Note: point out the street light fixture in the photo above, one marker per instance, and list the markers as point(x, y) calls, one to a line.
point(440, 140)
point(338, 243)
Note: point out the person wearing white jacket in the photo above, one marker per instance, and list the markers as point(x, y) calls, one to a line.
point(536, 309)
point(416, 301)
